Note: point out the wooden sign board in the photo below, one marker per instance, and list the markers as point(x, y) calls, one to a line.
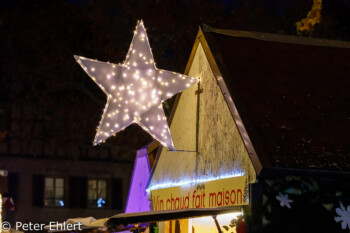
point(212, 194)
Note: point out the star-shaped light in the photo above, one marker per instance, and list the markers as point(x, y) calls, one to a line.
point(135, 90)
point(284, 201)
point(344, 216)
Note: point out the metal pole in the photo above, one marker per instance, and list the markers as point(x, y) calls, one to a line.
point(217, 224)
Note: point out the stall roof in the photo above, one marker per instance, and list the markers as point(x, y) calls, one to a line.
point(86, 224)
point(292, 94)
point(165, 215)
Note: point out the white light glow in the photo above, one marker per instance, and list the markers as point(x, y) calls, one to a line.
point(207, 224)
point(223, 219)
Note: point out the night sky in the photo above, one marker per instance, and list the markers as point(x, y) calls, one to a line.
point(39, 38)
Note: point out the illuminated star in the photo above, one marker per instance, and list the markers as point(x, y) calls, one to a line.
point(284, 201)
point(344, 216)
point(135, 90)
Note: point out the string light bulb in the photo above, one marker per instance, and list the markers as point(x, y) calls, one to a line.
point(140, 96)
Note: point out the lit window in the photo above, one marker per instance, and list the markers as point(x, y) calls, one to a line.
point(97, 193)
point(54, 191)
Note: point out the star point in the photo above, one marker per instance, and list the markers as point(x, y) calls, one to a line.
point(135, 90)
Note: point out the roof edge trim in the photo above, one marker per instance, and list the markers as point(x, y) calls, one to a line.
point(282, 38)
